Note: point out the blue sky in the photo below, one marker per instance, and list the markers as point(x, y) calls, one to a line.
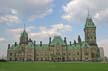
point(45, 18)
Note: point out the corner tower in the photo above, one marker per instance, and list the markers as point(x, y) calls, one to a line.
point(90, 31)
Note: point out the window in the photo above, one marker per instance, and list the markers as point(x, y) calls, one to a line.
point(36, 58)
point(52, 45)
point(77, 53)
point(86, 53)
point(73, 59)
point(92, 55)
point(10, 54)
point(73, 54)
point(63, 53)
point(41, 59)
point(57, 53)
point(69, 53)
point(16, 59)
point(10, 59)
point(86, 58)
point(37, 54)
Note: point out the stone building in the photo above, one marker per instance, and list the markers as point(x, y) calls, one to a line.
point(57, 49)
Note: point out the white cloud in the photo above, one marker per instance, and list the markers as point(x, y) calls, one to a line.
point(41, 15)
point(101, 16)
point(17, 31)
point(9, 19)
point(30, 9)
point(77, 9)
point(8, 15)
point(46, 32)
point(2, 39)
point(42, 33)
point(13, 11)
point(104, 44)
point(67, 17)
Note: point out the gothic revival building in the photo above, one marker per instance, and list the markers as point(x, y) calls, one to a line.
point(57, 49)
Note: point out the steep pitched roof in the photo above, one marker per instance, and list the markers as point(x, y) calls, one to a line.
point(89, 23)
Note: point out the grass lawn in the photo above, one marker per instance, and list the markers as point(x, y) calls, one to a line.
point(50, 66)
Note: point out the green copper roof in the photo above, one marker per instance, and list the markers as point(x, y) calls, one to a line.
point(18, 47)
point(85, 45)
point(79, 45)
point(89, 23)
point(57, 41)
point(43, 47)
point(24, 34)
point(13, 47)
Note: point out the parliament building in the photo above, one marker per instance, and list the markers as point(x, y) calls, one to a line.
point(57, 49)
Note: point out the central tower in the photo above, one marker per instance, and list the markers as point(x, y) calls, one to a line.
point(24, 37)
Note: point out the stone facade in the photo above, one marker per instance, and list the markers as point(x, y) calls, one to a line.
point(57, 49)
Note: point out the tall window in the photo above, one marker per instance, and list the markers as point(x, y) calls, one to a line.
point(10, 59)
point(92, 55)
point(86, 53)
point(77, 53)
point(10, 54)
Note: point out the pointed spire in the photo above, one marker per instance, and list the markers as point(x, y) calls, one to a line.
point(89, 21)
point(24, 27)
point(88, 14)
point(24, 36)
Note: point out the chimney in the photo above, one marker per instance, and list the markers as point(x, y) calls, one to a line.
point(70, 43)
point(40, 43)
point(75, 42)
point(65, 40)
point(8, 46)
point(15, 44)
point(34, 43)
point(79, 39)
point(49, 40)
